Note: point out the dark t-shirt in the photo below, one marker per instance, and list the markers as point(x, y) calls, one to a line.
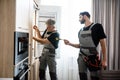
point(97, 33)
point(54, 38)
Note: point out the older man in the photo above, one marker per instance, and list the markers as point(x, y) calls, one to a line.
point(50, 40)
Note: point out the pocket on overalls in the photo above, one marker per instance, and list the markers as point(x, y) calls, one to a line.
point(51, 50)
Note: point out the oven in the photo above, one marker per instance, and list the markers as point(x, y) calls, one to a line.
point(21, 46)
point(21, 70)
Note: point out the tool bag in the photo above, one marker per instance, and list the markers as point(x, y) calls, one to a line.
point(92, 62)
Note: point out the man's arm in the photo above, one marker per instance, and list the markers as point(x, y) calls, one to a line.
point(42, 40)
point(71, 44)
point(103, 47)
point(38, 34)
point(75, 45)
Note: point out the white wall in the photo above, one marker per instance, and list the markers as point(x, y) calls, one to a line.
point(67, 67)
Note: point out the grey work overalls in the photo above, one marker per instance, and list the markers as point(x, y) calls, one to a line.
point(48, 59)
point(85, 40)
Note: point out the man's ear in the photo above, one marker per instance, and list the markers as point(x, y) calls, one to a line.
point(85, 16)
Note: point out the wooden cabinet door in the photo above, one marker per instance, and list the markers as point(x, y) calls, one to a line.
point(22, 14)
point(34, 71)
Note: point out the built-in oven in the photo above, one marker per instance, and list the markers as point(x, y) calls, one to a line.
point(21, 46)
point(21, 70)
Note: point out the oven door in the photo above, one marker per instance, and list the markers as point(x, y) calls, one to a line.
point(23, 75)
point(21, 46)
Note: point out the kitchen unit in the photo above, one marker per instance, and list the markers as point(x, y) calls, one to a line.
point(16, 18)
point(21, 47)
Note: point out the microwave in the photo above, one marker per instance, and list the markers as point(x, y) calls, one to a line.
point(21, 46)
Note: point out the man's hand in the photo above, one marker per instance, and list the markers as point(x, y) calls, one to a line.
point(36, 28)
point(71, 44)
point(34, 38)
point(104, 64)
point(66, 42)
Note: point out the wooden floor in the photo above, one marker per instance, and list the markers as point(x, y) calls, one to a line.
point(110, 75)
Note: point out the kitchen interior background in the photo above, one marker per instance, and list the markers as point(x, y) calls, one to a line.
point(104, 11)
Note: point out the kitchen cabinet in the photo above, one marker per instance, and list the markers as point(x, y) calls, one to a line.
point(7, 27)
point(15, 16)
point(22, 15)
point(34, 70)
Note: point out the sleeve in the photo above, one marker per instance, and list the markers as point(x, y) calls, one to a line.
point(101, 32)
point(54, 39)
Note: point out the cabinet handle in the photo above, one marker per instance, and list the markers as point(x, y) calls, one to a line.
point(24, 74)
point(30, 44)
point(23, 28)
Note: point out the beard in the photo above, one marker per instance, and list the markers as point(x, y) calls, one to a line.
point(82, 21)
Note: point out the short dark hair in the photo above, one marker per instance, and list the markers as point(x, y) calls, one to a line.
point(50, 22)
point(85, 13)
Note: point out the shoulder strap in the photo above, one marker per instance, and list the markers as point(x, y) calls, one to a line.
point(91, 26)
point(52, 33)
point(44, 33)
